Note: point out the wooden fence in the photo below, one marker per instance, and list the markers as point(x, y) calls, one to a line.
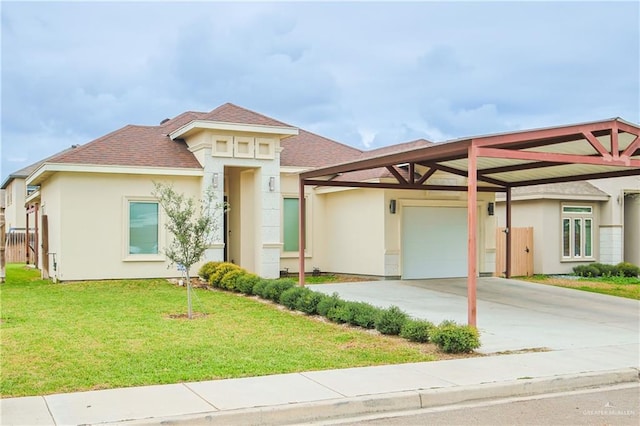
point(521, 252)
point(15, 249)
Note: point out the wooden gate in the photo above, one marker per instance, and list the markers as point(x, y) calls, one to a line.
point(521, 252)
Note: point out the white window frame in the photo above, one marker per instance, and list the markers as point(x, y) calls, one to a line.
point(146, 257)
point(579, 218)
point(308, 227)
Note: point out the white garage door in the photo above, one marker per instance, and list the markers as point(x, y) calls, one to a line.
point(434, 242)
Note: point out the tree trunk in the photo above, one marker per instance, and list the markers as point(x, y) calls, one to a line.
point(189, 314)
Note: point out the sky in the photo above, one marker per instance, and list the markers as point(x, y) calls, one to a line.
point(367, 74)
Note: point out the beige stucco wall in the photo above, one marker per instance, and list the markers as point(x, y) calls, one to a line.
point(87, 224)
point(15, 214)
point(612, 212)
point(355, 231)
point(545, 216)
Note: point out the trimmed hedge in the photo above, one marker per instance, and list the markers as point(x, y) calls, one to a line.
point(290, 297)
point(391, 320)
point(449, 336)
point(593, 270)
point(455, 338)
point(207, 270)
point(417, 330)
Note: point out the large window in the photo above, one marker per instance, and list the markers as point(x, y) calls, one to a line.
point(577, 232)
point(143, 227)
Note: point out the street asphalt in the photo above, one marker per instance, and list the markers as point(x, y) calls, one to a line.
point(537, 339)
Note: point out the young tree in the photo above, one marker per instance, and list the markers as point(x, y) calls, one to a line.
point(193, 226)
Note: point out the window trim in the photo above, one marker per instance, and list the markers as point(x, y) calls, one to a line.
point(308, 226)
point(581, 218)
point(147, 257)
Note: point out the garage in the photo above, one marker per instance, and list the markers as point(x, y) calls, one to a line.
point(434, 242)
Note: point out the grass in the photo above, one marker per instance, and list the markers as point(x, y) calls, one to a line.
point(105, 334)
point(615, 286)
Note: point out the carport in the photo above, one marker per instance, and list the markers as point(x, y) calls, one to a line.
point(494, 163)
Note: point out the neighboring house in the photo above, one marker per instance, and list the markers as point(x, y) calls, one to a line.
point(98, 220)
point(578, 222)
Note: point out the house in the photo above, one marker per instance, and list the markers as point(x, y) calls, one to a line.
point(13, 193)
point(96, 217)
point(579, 222)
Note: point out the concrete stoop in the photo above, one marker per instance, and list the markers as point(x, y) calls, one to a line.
point(333, 409)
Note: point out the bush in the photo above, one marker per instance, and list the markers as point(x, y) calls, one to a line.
point(275, 288)
point(222, 269)
point(326, 303)
point(391, 320)
point(586, 271)
point(454, 338)
point(340, 313)
point(290, 297)
point(228, 281)
point(363, 314)
point(627, 269)
point(605, 270)
point(207, 270)
point(308, 302)
point(417, 330)
point(260, 286)
point(245, 283)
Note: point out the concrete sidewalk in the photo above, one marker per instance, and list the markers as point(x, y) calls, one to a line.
point(318, 395)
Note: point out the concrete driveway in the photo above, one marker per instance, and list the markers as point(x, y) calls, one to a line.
point(512, 315)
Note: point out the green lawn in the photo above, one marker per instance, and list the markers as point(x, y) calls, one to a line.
point(615, 286)
point(105, 334)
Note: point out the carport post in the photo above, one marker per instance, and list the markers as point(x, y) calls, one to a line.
point(507, 272)
point(301, 233)
point(472, 226)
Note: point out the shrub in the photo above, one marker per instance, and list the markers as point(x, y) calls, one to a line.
point(586, 271)
point(340, 313)
point(308, 302)
point(228, 281)
point(627, 269)
point(454, 338)
point(207, 270)
point(605, 270)
point(222, 269)
point(391, 320)
point(326, 303)
point(275, 288)
point(363, 314)
point(245, 283)
point(290, 297)
point(417, 330)
point(260, 286)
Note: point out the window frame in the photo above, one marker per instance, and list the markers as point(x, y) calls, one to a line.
point(581, 243)
point(126, 213)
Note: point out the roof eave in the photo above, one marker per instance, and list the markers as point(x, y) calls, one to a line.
point(196, 125)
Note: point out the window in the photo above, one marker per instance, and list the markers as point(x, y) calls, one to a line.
point(577, 232)
point(143, 227)
point(291, 224)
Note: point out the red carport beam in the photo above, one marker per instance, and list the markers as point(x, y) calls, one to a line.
point(301, 234)
point(472, 227)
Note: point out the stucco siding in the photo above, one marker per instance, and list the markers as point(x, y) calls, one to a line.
point(94, 224)
point(355, 231)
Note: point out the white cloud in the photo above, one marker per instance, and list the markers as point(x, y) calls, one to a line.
point(365, 74)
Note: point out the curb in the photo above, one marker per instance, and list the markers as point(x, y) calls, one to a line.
point(397, 401)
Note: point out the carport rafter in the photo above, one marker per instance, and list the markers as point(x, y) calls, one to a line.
point(545, 164)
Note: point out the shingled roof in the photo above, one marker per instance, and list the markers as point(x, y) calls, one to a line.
point(26, 171)
point(150, 146)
